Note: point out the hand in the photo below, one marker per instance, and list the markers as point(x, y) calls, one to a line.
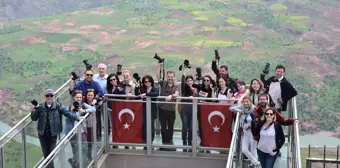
point(262, 117)
point(168, 98)
point(272, 153)
point(280, 100)
point(240, 111)
point(72, 107)
point(94, 101)
point(142, 95)
point(129, 94)
point(81, 110)
point(296, 122)
point(32, 107)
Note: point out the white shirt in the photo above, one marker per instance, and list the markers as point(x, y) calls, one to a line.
point(246, 126)
point(102, 81)
point(267, 141)
point(275, 92)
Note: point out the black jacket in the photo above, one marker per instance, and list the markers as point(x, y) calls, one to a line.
point(231, 82)
point(287, 90)
point(280, 139)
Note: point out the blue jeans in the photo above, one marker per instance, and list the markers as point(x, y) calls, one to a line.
point(186, 117)
point(266, 160)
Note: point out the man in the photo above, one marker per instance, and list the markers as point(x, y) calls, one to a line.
point(224, 71)
point(101, 77)
point(87, 83)
point(263, 105)
point(128, 83)
point(279, 88)
point(167, 112)
point(49, 124)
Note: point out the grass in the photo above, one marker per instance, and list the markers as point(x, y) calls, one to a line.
point(236, 22)
point(62, 37)
point(8, 38)
point(13, 155)
point(217, 44)
point(278, 7)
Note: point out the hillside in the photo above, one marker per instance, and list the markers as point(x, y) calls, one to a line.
point(37, 53)
point(14, 9)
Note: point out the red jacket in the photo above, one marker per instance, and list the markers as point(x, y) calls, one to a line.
point(279, 117)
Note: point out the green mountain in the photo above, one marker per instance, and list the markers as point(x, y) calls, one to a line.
point(37, 53)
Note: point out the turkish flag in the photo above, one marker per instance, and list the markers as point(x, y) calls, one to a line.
point(127, 120)
point(216, 121)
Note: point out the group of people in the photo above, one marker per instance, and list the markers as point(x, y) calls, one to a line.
point(260, 107)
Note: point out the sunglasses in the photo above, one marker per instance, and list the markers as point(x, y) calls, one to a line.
point(147, 82)
point(49, 95)
point(90, 90)
point(89, 74)
point(269, 114)
point(114, 79)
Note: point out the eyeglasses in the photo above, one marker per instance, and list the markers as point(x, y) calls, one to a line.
point(269, 114)
point(206, 80)
point(147, 82)
point(49, 95)
point(90, 90)
point(89, 74)
point(114, 79)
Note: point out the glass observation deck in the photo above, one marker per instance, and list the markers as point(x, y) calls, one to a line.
point(20, 146)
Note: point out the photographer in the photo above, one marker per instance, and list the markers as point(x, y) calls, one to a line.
point(148, 90)
point(101, 77)
point(78, 108)
point(87, 83)
point(278, 87)
point(48, 115)
point(167, 112)
point(224, 71)
point(112, 88)
point(127, 86)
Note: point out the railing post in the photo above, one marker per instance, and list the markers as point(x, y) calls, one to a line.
point(94, 139)
point(239, 149)
point(80, 146)
point(148, 126)
point(24, 148)
point(2, 156)
point(308, 163)
point(194, 128)
point(62, 156)
point(106, 127)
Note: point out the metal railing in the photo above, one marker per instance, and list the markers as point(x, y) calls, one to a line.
point(294, 154)
point(329, 157)
point(108, 145)
point(21, 129)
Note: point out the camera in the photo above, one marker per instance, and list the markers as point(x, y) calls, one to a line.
point(99, 100)
point(199, 78)
point(34, 102)
point(119, 69)
point(136, 77)
point(217, 55)
point(160, 60)
point(76, 106)
point(186, 63)
point(266, 69)
point(87, 65)
point(74, 76)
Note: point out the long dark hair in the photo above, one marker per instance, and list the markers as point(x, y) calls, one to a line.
point(109, 86)
point(150, 79)
point(187, 90)
point(225, 78)
point(211, 81)
point(251, 90)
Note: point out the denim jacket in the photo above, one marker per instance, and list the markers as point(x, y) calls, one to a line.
point(243, 120)
point(70, 121)
point(54, 118)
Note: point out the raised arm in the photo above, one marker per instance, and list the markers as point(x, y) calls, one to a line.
point(35, 113)
point(66, 112)
point(215, 68)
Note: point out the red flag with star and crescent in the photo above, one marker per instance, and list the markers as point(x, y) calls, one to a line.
point(216, 124)
point(127, 120)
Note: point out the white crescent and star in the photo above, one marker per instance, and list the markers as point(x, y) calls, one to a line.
point(128, 111)
point(217, 113)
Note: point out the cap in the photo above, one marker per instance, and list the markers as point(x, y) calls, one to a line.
point(49, 91)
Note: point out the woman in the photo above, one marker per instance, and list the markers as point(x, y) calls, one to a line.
point(246, 110)
point(186, 109)
point(79, 108)
point(223, 91)
point(112, 84)
point(206, 90)
point(242, 91)
point(148, 90)
point(89, 99)
point(256, 88)
point(271, 138)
